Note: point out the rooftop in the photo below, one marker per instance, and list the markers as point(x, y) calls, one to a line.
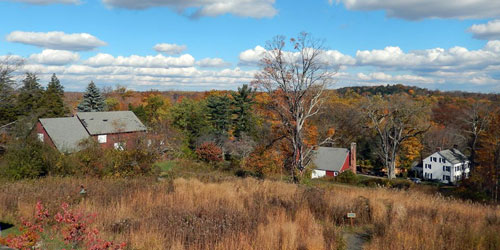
point(65, 132)
point(110, 122)
point(331, 159)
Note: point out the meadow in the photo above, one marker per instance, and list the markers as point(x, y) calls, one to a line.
point(226, 212)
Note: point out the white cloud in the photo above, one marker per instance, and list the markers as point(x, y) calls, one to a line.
point(453, 59)
point(56, 40)
point(54, 57)
point(252, 56)
point(329, 57)
point(158, 61)
point(46, 2)
point(382, 77)
point(420, 9)
point(213, 62)
point(170, 49)
point(487, 31)
point(243, 8)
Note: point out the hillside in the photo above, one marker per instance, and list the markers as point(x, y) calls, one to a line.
point(233, 213)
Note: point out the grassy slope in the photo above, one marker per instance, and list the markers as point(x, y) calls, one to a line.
point(210, 209)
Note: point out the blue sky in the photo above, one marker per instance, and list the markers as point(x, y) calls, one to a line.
point(213, 44)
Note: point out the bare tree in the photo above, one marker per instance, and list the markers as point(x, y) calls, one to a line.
point(474, 121)
point(295, 81)
point(395, 119)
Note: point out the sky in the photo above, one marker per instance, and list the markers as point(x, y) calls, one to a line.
point(217, 44)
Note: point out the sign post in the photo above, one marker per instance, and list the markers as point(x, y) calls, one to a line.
point(351, 217)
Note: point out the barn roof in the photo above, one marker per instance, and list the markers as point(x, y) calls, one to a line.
point(331, 159)
point(453, 155)
point(98, 123)
point(65, 132)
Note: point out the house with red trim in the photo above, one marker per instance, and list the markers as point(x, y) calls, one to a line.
point(116, 129)
point(330, 161)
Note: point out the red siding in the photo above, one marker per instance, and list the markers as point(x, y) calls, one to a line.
point(46, 138)
point(330, 173)
point(129, 138)
point(346, 163)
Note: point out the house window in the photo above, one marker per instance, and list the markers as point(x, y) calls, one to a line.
point(40, 137)
point(444, 168)
point(102, 138)
point(444, 160)
point(119, 145)
point(448, 168)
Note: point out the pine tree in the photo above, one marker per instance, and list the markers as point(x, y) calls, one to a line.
point(8, 110)
point(92, 101)
point(219, 114)
point(53, 103)
point(30, 95)
point(55, 86)
point(243, 100)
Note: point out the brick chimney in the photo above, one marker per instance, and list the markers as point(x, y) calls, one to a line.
point(353, 157)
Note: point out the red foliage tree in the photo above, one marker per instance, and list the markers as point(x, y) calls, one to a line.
point(209, 152)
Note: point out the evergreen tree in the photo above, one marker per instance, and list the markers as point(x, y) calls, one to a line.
point(243, 100)
point(30, 95)
point(8, 110)
point(219, 114)
point(55, 86)
point(53, 103)
point(92, 100)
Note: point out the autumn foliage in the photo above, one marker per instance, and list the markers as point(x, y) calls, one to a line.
point(209, 152)
point(72, 226)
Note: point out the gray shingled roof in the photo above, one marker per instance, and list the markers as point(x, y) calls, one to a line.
point(331, 159)
point(98, 123)
point(66, 132)
point(453, 155)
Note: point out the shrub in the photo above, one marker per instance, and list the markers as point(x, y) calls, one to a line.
point(401, 184)
point(71, 225)
point(24, 159)
point(376, 182)
point(347, 177)
point(209, 152)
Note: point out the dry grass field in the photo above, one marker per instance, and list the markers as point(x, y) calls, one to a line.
point(233, 213)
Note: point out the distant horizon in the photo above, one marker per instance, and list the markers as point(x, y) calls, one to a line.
point(200, 45)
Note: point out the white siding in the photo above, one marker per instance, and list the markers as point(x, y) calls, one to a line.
point(435, 167)
point(318, 173)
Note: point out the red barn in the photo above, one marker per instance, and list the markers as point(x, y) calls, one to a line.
point(116, 129)
point(333, 161)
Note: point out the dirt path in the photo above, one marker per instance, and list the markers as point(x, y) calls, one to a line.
point(355, 239)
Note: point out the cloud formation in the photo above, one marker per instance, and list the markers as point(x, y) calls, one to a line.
point(487, 31)
point(170, 49)
point(251, 57)
point(242, 8)
point(213, 63)
point(420, 9)
point(158, 61)
point(46, 2)
point(437, 59)
point(54, 57)
point(56, 40)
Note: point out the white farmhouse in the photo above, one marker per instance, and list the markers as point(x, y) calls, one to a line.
point(447, 166)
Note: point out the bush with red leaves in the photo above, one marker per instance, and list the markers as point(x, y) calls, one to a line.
point(209, 152)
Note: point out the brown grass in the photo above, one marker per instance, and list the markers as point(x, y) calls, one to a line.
point(253, 214)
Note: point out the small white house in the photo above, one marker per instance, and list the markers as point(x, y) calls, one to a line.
point(447, 166)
